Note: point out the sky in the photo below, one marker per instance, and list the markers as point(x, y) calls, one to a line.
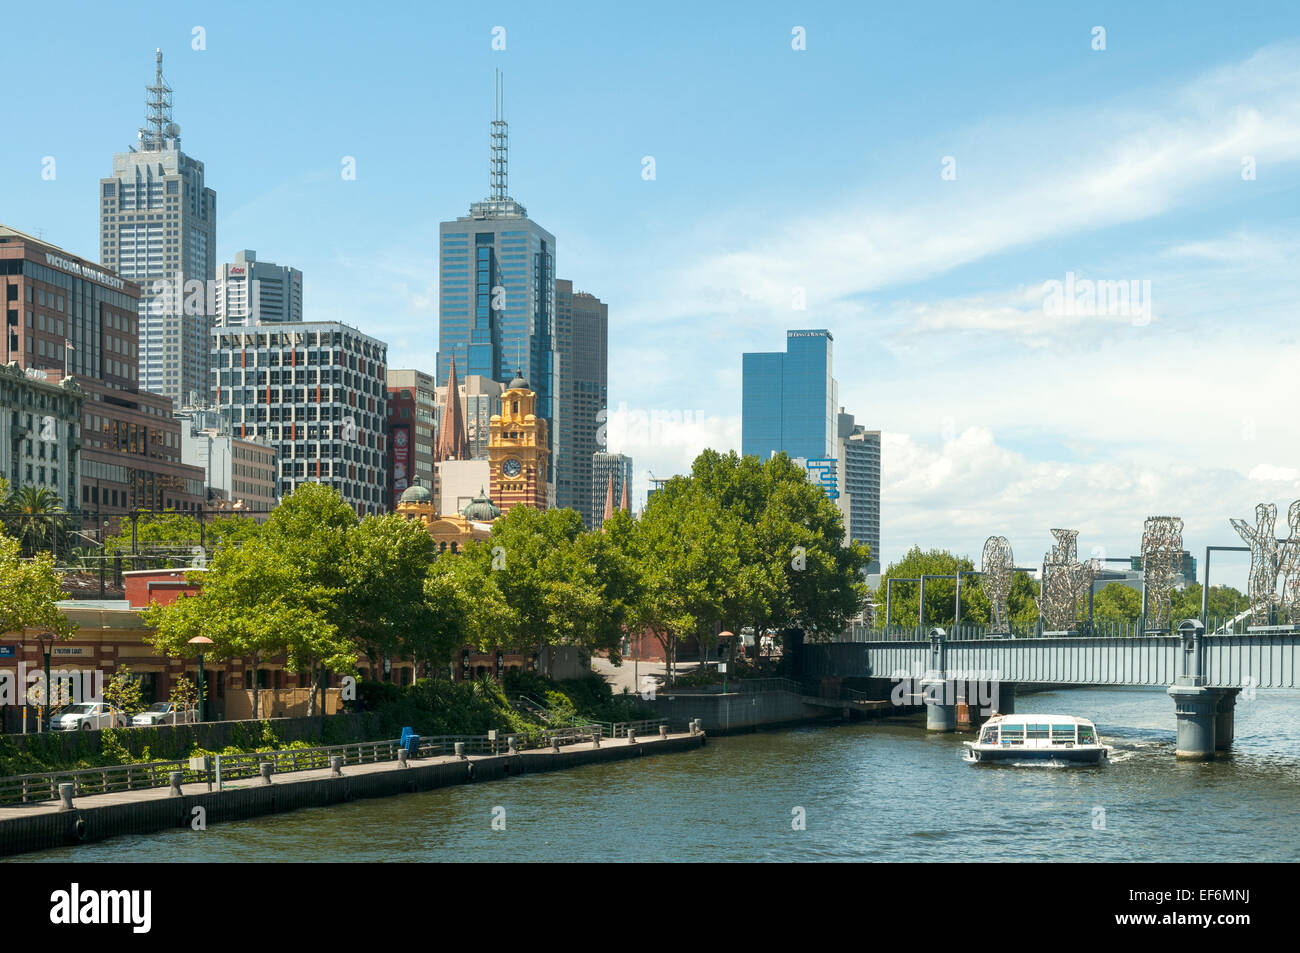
point(917, 175)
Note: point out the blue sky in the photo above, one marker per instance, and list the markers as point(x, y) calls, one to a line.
point(778, 169)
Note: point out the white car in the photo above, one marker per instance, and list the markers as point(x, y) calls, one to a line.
point(86, 716)
point(165, 713)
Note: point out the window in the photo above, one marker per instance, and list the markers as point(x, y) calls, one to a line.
point(1086, 735)
point(1037, 731)
point(1013, 734)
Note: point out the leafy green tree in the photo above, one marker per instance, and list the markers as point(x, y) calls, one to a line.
point(30, 590)
point(1116, 602)
point(790, 537)
point(122, 693)
point(31, 513)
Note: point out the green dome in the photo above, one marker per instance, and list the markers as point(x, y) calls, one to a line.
point(481, 509)
point(416, 494)
point(518, 383)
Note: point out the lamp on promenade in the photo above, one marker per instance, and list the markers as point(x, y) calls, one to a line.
point(723, 665)
point(46, 639)
point(201, 642)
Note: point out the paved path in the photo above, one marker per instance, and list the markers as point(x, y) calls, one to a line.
point(140, 795)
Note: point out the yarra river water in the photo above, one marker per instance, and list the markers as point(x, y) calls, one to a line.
point(870, 791)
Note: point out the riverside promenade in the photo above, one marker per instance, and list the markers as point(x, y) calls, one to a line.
point(41, 825)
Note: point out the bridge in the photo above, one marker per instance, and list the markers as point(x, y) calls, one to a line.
point(1203, 673)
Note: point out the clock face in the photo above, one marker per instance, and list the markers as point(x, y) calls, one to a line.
point(512, 468)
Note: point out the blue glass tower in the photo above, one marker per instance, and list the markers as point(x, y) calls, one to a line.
point(496, 271)
point(789, 400)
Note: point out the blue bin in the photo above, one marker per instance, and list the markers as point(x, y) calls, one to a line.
point(406, 733)
point(412, 745)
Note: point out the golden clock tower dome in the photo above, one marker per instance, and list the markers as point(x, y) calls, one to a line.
point(518, 450)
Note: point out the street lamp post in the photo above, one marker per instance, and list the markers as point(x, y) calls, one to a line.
point(46, 639)
point(201, 642)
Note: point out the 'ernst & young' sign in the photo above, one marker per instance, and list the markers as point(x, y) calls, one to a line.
point(84, 271)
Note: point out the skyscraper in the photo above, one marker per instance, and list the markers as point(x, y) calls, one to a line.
point(497, 285)
point(582, 348)
point(158, 228)
point(789, 399)
point(249, 291)
point(610, 469)
point(859, 484)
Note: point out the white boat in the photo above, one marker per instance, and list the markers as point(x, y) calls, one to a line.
point(1037, 738)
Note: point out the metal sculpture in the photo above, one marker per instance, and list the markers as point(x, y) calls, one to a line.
point(1162, 553)
point(1264, 562)
point(996, 567)
point(1065, 580)
point(1290, 566)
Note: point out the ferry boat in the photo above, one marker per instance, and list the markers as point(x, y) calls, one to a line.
point(1037, 738)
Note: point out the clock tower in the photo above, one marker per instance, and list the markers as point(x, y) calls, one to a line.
point(518, 450)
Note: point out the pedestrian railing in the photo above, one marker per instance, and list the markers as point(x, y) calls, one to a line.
point(34, 788)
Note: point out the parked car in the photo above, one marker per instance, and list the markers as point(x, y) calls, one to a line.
point(86, 716)
point(166, 713)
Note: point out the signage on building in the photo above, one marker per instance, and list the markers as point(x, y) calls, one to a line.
point(823, 473)
point(236, 271)
point(84, 271)
point(8, 651)
point(401, 457)
point(71, 651)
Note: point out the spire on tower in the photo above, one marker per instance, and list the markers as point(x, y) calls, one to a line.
point(626, 503)
point(158, 126)
point(609, 498)
point(452, 442)
point(500, 152)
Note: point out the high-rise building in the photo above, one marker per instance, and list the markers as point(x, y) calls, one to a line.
point(240, 473)
point(158, 225)
point(67, 317)
point(249, 291)
point(582, 349)
point(317, 392)
point(40, 433)
point(517, 451)
point(859, 484)
point(611, 480)
point(497, 285)
point(412, 422)
point(789, 399)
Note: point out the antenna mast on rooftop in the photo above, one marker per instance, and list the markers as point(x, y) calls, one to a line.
point(158, 125)
point(500, 146)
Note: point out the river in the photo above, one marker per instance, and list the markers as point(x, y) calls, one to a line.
point(868, 791)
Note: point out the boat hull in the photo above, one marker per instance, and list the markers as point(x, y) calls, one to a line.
point(1087, 754)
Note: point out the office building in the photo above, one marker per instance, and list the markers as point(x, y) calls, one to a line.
point(858, 463)
point(582, 348)
point(611, 480)
point(240, 474)
point(40, 433)
point(789, 399)
point(249, 291)
point(158, 229)
point(68, 317)
point(317, 391)
point(497, 287)
point(412, 430)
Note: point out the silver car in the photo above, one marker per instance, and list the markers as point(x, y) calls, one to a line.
point(86, 716)
point(165, 713)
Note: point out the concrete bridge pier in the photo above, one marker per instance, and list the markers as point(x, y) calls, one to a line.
point(1196, 708)
point(940, 697)
point(1225, 719)
point(1004, 702)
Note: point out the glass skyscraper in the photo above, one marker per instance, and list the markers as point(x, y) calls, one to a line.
point(496, 270)
point(789, 399)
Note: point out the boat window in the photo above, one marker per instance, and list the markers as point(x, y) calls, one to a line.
point(1086, 735)
point(1062, 734)
point(990, 736)
point(1036, 731)
point(1013, 734)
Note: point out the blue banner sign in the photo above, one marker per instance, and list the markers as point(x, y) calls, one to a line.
point(822, 472)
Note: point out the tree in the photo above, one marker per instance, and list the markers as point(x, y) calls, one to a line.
point(184, 696)
point(791, 545)
point(122, 694)
point(31, 513)
point(1116, 602)
point(30, 590)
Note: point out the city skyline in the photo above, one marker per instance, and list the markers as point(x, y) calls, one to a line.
point(933, 287)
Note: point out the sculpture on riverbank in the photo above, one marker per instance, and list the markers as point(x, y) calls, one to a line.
point(1162, 556)
point(1265, 564)
point(1065, 582)
point(996, 567)
point(1291, 566)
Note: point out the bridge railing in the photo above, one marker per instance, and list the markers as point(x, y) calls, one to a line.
point(1098, 628)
